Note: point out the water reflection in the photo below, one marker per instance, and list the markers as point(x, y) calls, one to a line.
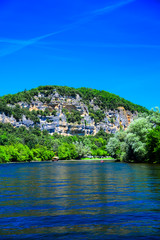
point(78, 200)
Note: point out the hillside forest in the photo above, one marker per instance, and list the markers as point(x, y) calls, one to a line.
point(140, 142)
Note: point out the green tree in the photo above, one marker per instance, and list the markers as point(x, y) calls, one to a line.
point(4, 157)
point(67, 151)
point(114, 147)
point(153, 145)
point(130, 145)
point(24, 153)
point(82, 150)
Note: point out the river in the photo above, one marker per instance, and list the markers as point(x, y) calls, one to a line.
point(79, 200)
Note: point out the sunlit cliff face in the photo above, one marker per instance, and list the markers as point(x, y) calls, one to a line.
point(70, 116)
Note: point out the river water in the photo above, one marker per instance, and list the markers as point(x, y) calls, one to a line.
point(79, 200)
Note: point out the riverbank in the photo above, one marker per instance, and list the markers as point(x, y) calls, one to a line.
point(70, 160)
point(89, 159)
point(110, 158)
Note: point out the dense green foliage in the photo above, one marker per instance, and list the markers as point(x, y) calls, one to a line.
point(106, 100)
point(22, 144)
point(22, 153)
point(72, 116)
point(98, 115)
point(153, 145)
point(67, 151)
point(140, 142)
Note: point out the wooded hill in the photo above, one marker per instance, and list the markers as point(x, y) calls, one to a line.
point(102, 99)
point(75, 123)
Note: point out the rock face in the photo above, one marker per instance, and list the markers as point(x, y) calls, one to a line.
point(58, 122)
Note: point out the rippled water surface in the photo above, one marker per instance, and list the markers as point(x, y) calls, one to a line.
point(79, 200)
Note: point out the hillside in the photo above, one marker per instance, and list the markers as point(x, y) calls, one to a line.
point(68, 111)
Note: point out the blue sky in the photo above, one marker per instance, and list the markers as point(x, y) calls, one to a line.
point(111, 45)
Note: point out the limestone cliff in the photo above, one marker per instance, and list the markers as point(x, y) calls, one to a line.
point(70, 115)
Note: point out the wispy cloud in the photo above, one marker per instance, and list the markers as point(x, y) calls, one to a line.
point(97, 45)
point(14, 45)
point(111, 7)
point(88, 16)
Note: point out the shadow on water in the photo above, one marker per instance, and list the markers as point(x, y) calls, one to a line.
point(79, 200)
